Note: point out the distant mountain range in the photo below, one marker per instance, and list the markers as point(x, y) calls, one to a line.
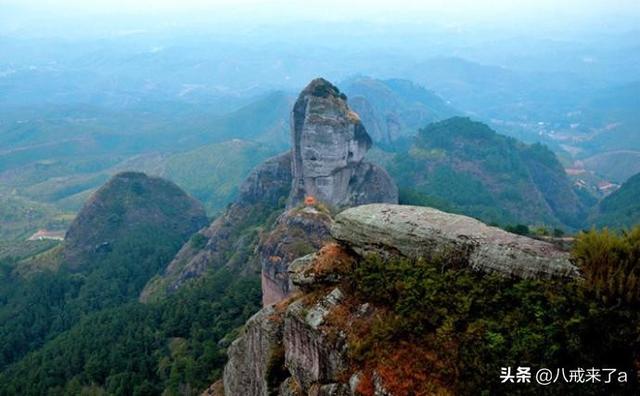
point(392, 109)
point(55, 154)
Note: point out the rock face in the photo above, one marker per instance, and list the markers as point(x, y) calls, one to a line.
point(129, 205)
point(256, 357)
point(267, 183)
point(223, 243)
point(300, 346)
point(312, 357)
point(297, 232)
point(285, 350)
point(414, 231)
point(326, 162)
point(329, 144)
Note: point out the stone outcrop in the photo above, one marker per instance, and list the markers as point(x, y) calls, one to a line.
point(297, 232)
point(326, 163)
point(414, 232)
point(268, 183)
point(223, 244)
point(317, 324)
point(297, 347)
point(329, 143)
point(256, 357)
point(285, 350)
point(312, 356)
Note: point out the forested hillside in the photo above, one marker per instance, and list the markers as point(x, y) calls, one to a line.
point(621, 209)
point(69, 317)
point(464, 166)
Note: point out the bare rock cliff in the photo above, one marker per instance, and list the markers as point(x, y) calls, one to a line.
point(297, 232)
point(326, 163)
point(329, 144)
point(300, 346)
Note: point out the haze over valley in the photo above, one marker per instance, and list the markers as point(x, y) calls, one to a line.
point(82, 101)
point(273, 198)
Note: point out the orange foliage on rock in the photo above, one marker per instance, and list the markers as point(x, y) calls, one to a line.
point(404, 372)
point(365, 386)
point(333, 258)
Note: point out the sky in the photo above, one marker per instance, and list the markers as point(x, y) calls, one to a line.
point(532, 15)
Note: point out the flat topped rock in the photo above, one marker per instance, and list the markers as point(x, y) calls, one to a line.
point(414, 231)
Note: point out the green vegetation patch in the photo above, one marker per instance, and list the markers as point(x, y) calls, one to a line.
point(462, 326)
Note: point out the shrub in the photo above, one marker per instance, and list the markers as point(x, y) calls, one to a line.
point(610, 264)
point(454, 328)
point(198, 241)
point(519, 229)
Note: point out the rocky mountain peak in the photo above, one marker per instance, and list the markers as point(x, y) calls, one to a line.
point(326, 163)
point(319, 87)
point(329, 144)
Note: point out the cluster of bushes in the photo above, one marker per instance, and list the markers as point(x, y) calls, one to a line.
point(522, 229)
point(610, 264)
point(463, 326)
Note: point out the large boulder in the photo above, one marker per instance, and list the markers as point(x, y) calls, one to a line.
point(329, 144)
point(421, 232)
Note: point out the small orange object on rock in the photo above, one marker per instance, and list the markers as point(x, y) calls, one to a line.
point(309, 200)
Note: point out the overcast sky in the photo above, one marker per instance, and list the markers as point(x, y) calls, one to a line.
point(521, 14)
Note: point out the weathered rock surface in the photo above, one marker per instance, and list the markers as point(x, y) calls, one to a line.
point(256, 356)
point(297, 232)
point(414, 232)
point(327, 267)
point(329, 144)
point(216, 389)
point(223, 242)
point(285, 349)
point(311, 356)
point(267, 183)
point(327, 162)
